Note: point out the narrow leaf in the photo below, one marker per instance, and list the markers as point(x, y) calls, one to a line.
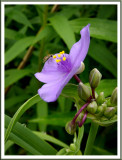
point(13, 75)
point(100, 28)
point(17, 48)
point(49, 138)
point(20, 112)
point(63, 28)
point(28, 140)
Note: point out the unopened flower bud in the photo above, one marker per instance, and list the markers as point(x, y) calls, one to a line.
point(83, 91)
point(94, 78)
point(108, 102)
point(109, 112)
point(92, 107)
point(73, 147)
point(70, 127)
point(101, 109)
point(81, 68)
point(114, 96)
point(101, 98)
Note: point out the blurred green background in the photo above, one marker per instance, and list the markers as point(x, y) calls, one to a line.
point(34, 31)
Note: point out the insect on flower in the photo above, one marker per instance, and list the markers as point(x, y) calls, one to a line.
point(47, 57)
point(61, 67)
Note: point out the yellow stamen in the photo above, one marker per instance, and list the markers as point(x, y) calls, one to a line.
point(58, 60)
point(64, 58)
point(62, 52)
point(54, 56)
point(59, 55)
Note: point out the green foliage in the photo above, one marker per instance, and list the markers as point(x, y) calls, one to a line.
point(49, 32)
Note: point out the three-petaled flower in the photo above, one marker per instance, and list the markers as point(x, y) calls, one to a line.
point(61, 67)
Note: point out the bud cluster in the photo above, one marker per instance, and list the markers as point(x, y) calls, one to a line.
point(103, 106)
point(100, 108)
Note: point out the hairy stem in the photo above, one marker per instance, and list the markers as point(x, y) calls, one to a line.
point(80, 110)
point(91, 138)
point(83, 120)
point(93, 93)
point(77, 78)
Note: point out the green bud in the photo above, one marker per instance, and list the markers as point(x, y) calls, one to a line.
point(72, 147)
point(92, 107)
point(108, 102)
point(101, 98)
point(81, 68)
point(114, 96)
point(101, 109)
point(94, 78)
point(109, 112)
point(83, 91)
point(61, 151)
point(70, 127)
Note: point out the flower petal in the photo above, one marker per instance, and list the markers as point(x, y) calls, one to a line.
point(79, 50)
point(49, 92)
point(47, 77)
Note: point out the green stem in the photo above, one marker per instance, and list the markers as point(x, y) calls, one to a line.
point(91, 138)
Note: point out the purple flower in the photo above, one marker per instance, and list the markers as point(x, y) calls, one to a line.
point(61, 67)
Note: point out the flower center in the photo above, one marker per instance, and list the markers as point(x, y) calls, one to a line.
point(63, 61)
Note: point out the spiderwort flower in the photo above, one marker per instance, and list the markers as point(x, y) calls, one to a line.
point(61, 67)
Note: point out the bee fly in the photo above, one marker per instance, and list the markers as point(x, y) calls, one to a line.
point(46, 57)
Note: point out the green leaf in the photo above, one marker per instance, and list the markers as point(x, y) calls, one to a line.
point(8, 144)
point(101, 151)
point(28, 140)
point(13, 75)
point(15, 100)
point(57, 119)
point(99, 28)
point(20, 112)
point(105, 123)
point(70, 91)
point(106, 86)
point(63, 28)
point(42, 111)
point(49, 138)
point(101, 54)
point(12, 34)
point(17, 48)
point(64, 103)
point(19, 17)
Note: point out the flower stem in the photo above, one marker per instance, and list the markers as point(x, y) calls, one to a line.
point(77, 78)
point(80, 110)
point(93, 93)
point(91, 138)
point(83, 120)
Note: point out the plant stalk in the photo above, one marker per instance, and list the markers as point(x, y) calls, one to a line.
point(91, 138)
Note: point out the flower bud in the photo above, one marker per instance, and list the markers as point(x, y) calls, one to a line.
point(81, 68)
point(73, 147)
point(109, 112)
point(83, 91)
point(108, 102)
point(101, 109)
point(70, 127)
point(114, 96)
point(92, 107)
point(101, 98)
point(94, 78)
